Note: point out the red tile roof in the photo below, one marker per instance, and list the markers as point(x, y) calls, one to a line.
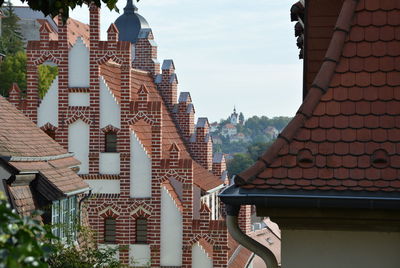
point(32, 150)
point(346, 134)
point(75, 29)
point(170, 134)
point(239, 256)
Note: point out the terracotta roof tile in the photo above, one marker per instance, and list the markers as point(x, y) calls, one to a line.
point(19, 137)
point(202, 177)
point(358, 114)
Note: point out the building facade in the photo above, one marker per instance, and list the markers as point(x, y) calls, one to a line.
point(149, 166)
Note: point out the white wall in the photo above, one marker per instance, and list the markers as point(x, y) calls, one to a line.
point(78, 99)
point(139, 255)
point(48, 108)
point(104, 186)
point(200, 258)
point(140, 169)
point(78, 65)
point(171, 231)
point(340, 249)
point(109, 163)
point(78, 143)
point(110, 111)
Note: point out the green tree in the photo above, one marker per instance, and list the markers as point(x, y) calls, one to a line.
point(24, 242)
point(11, 38)
point(13, 69)
point(60, 7)
point(257, 149)
point(87, 255)
point(46, 74)
point(239, 163)
point(241, 118)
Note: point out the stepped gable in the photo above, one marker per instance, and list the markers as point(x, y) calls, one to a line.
point(28, 149)
point(170, 134)
point(345, 136)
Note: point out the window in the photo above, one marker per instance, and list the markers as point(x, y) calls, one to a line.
point(63, 217)
point(109, 230)
point(141, 231)
point(111, 142)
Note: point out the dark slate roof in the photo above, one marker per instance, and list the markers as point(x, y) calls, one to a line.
point(218, 157)
point(202, 122)
point(185, 97)
point(345, 137)
point(168, 64)
point(24, 12)
point(130, 23)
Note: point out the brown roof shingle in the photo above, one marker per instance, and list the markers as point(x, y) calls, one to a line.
point(345, 135)
point(33, 150)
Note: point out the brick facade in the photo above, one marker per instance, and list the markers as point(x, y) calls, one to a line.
point(140, 103)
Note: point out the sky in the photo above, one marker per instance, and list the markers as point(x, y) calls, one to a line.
point(226, 52)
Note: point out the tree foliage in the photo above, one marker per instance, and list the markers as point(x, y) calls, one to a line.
point(11, 38)
point(62, 7)
point(13, 69)
point(239, 163)
point(46, 76)
point(24, 242)
point(87, 255)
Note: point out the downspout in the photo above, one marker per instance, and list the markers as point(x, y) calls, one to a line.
point(81, 201)
point(232, 213)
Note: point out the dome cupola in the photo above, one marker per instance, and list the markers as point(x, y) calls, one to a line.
point(130, 23)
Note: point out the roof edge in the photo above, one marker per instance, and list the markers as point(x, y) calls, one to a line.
point(318, 88)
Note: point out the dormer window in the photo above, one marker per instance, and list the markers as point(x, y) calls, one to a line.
point(305, 158)
point(111, 142)
point(380, 159)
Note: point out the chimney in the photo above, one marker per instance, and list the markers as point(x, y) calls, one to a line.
point(244, 218)
point(167, 83)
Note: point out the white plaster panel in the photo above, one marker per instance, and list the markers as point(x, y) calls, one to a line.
point(110, 111)
point(109, 163)
point(78, 65)
point(171, 231)
point(104, 186)
point(139, 255)
point(140, 169)
point(79, 99)
point(340, 249)
point(111, 246)
point(200, 257)
point(48, 108)
point(78, 143)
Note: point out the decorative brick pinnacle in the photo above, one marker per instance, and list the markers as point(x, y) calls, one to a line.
point(143, 90)
point(112, 29)
point(45, 28)
point(14, 88)
point(174, 148)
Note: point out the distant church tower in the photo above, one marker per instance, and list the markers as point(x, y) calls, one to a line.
point(234, 117)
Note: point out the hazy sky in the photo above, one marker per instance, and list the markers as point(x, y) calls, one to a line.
point(226, 52)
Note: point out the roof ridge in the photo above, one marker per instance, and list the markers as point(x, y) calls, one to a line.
point(319, 86)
